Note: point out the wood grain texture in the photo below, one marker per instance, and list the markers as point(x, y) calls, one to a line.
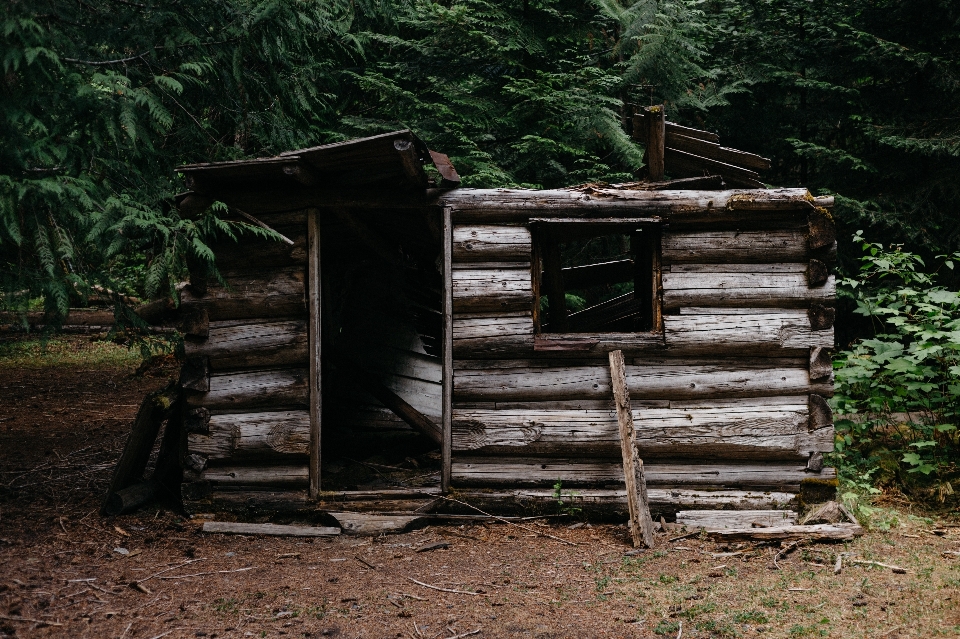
point(751, 428)
point(784, 331)
point(720, 519)
point(492, 289)
point(546, 471)
point(252, 345)
point(717, 285)
point(661, 499)
point(280, 476)
point(736, 247)
point(267, 436)
point(489, 243)
point(255, 389)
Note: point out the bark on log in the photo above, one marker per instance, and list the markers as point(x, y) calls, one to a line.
point(275, 389)
point(722, 519)
point(269, 436)
point(775, 429)
point(272, 530)
point(734, 247)
point(546, 471)
point(155, 408)
point(819, 532)
point(480, 243)
point(718, 379)
point(641, 525)
point(477, 290)
point(264, 294)
point(252, 345)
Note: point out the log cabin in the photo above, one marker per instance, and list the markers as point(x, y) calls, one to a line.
point(454, 341)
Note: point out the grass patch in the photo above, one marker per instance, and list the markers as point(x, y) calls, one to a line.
point(61, 352)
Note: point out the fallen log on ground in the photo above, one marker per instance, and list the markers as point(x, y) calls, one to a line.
point(239, 528)
point(820, 532)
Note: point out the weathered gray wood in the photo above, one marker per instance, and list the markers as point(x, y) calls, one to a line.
point(728, 429)
point(252, 345)
point(821, 364)
point(821, 317)
point(721, 519)
point(273, 530)
point(655, 120)
point(374, 524)
point(489, 206)
point(477, 290)
point(315, 343)
point(400, 407)
point(267, 436)
point(492, 325)
point(664, 499)
point(255, 389)
point(478, 243)
point(819, 532)
point(656, 381)
point(289, 476)
point(446, 426)
point(714, 151)
point(817, 273)
point(546, 471)
point(261, 294)
point(781, 331)
point(726, 247)
point(714, 285)
point(641, 525)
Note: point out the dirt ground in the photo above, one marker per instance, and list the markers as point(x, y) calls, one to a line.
point(65, 571)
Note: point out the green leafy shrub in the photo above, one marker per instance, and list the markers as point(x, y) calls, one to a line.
point(898, 394)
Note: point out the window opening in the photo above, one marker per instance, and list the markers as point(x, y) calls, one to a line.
point(597, 278)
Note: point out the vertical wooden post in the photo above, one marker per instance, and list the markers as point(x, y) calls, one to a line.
point(656, 132)
point(446, 448)
point(553, 282)
point(314, 297)
point(641, 524)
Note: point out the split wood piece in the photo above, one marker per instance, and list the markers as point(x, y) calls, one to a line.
point(724, 519)
point(155, 408)
point(195, 373)
point(273, 389)
point(252, 344)
point(417, 420)
point(446, 353)
point(655, 120)
point(275, 530)
point(821, 416)
point(733, 247)
point(819, 532)
point(281, 476)
point(266, 436)
point(641, 524)
point(374, 524)
point(831, 512)
point(315, 345)
point(815, 463)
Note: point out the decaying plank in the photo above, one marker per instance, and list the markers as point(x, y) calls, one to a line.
point(252, 344)
point(659, 380)
point(819, 532)
point(274, 388)
point(315, 345)
point(734, 247)
point(641, 524)
point(582, 471)
point(480, 243)
point(682, 163)
point(273, 530)
point(372, 524)
point(282, 476)
point(262, 294)
point(448, 335)
point(267, 436)
point(714, 151)
point(721, 519)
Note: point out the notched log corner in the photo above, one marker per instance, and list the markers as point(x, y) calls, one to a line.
point(820, 414)
point(815, 463)
point(821, 230)
point(195, 323)
point(817, 273)
point(197, 420)
point(821, 317)
point(195, 374)
point(821, 363)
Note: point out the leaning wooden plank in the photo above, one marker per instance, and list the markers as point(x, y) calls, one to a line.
point(479, 243)
point(819, 532)
point(641, 525)
point(315, 347)
point(281, 476)
point(255, 389)
point(260, 294)
point(720, 288)
point(579, 471)
point(252, 344)
point(683, 163)
point(248, 436)
point(720, 379)
point(781, 331)
point(274, 530)
point(727, 429)
point(492, 290)
point(640, 129)
point(722, 519)
point(714, 151)
point(734, 247)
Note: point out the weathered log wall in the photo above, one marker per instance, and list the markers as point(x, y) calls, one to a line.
point(728, 396)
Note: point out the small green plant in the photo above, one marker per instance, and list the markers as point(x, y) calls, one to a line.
point(750, 616)
point(564, 507)
point(667, 579)
point(667, 627)
point(226, 605)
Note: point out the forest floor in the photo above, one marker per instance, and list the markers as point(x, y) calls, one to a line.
point(65, 571)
